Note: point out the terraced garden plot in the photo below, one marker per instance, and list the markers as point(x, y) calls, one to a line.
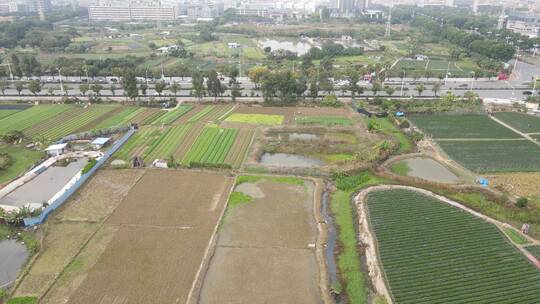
point(170, 116)
point(25, 119)
point(432, 252)
point(6, 113)
point(201, 114)
point(68, 122)
point(122, 118)
point(523, 122)
point(259, 119)
point(494, 156)
point(461, 126)
point(138, 143)
point(211, 147)
point(167, 144)
point(238, 152)
point(323, 120)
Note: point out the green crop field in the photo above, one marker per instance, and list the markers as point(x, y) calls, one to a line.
point(260, 119)
point(523, 122)
point(173, 115)
point(21, 160)
point(494, 156)
point(6, 113)
point(201, 114)
point(434, 253)
point(121, 119)
point(69, 122)
point(25, 119)
point(534, 250)
point(138, 143)
point(461, 126)
point(324, 120)
point(167, 144)
point(211, 147)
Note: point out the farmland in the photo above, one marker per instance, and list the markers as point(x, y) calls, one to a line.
point(6, 113)
point(534, 250)
point(324, 120)
point(259, 119)
point(167, 143)
point(257, 261)
point(457, 258)
point(21, 160)
point(23, 120)
point(211, 147)
point(461, 126)
point(201, 114)
point(171, 116)
point(122, 118)
point(494, 156)
point(522, 122)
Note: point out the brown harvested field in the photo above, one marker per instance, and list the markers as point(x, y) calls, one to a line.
point(520, 184)
point(164, 226)
point(287, 112)
point(318, 111)
point(238, 152)
point(68, 229)
point(265, 252)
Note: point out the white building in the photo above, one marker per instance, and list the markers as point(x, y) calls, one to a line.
point(57, 149)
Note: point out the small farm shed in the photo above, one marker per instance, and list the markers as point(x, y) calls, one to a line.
point(57, 149)
point(99, 142)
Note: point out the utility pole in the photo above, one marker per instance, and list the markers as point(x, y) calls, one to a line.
point(61, 84)
point(500, 22)
point(389, 23)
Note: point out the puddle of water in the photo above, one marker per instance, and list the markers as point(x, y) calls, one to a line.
point(13, 255)
point(332, 239)
point(250, 189)
point(297, 47)
point(429, 169)
point(302, 136)
point(289, 160)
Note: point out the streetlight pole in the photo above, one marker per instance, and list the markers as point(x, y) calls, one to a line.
point(61, 84)
point(473, 75)
point(402, 83)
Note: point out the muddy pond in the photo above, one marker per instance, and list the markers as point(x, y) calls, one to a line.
point(289, 160)
point(13, 255)
point(429, 169)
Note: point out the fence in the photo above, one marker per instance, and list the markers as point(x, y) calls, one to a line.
point(32, 221)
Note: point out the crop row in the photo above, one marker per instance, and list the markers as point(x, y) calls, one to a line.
point(241, 145)
point(432, 252)
point(167, 143)
point(121, 118)
point(523, 122)
point(68, 122)
point(201, 114)
point(323, 120)
point(212, 146)
point(6, 113)
point(461, 126)
point(494, 156)
point(138, 143)
point(170, 116)
point(25, 119)
point(534, 250)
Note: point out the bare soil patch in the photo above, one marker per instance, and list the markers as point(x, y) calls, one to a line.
point(265, 252)
point(520, 184)
point(164, 227)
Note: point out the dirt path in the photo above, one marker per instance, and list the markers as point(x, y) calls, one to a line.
point(480, 139)
point(515, 130)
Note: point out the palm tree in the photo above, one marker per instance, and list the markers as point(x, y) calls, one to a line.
point(420, 89)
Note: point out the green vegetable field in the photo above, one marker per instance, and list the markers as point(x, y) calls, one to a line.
point(534, 250)
point(121, 119)
point(138, 143)
point(259, 119)
point(167, 143)
point(201, 114)
point(435, 253)
point(212, 146)
point(461, 126)
point(6, 113)
point(523, 122)
point(171, 116)
point(494, 156)
point(23, 120)
point(324, 120)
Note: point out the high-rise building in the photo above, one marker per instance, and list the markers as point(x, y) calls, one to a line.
point(115, 10)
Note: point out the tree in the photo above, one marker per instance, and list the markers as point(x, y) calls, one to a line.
point(34, 86)
point(97, 88)
point(3, 86)
point(235, 90)
point(256, 75)
point(160, 87)
point(129, 84)
point(313, 88)
point(66, 89)
point(376, 87)
point(50, 91)
point(436, 88)
point(143, 87)
point(84, 88)
point(19, 86)
point(420, 89)
point(389, 90)
point(522, 202)
point(113, 89)
point(354, 77)
point(197, 81)
point(213, 85)
point(175, 87)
